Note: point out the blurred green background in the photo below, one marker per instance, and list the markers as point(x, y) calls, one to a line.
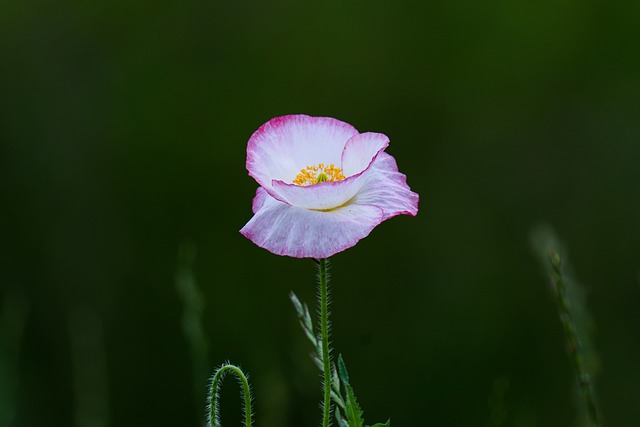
point(123, 128)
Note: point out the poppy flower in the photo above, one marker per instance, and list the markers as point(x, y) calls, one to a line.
point(323, 186)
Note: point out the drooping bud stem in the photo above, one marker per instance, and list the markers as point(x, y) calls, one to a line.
point(214, 395)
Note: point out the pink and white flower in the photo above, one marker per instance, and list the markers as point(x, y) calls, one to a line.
point(323, 186)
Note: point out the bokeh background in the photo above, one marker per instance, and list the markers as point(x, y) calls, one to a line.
point(124, 280)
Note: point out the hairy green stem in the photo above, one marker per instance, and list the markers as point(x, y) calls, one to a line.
point(216, 382)
point(323, 294)
point(573, 342)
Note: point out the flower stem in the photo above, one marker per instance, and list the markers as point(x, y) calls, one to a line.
point(214, 405)
point(323, 295)
point(574, 345)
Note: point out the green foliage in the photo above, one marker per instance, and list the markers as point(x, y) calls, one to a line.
point(352, 410)
point(348, 412)
point(569, 300)
point(192, 318)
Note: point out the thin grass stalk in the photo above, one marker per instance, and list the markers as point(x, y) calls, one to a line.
point(574, 346)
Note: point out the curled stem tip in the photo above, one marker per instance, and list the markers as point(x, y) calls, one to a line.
point(214, 395)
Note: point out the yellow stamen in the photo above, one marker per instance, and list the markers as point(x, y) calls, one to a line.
point(319, 173)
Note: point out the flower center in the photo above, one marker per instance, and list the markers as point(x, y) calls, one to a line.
point(319, 173)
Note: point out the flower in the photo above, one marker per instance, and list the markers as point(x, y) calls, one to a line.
point(323, 186)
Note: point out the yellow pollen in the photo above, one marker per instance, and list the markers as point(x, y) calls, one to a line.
point(319, 173)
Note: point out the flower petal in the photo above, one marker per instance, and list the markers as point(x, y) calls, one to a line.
point(301, 233)
point(358, 154)
point(322, 196)
point(361, 150)
point(387, 189)
point(284, 145)
point(259, 199)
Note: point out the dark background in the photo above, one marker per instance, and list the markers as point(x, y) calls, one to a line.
point(123, 128)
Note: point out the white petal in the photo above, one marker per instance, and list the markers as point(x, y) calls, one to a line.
point(360, 151)
point(322, 196)
point(259, 199)
point(387, 189)
point(283, 146)
point(288, 230)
